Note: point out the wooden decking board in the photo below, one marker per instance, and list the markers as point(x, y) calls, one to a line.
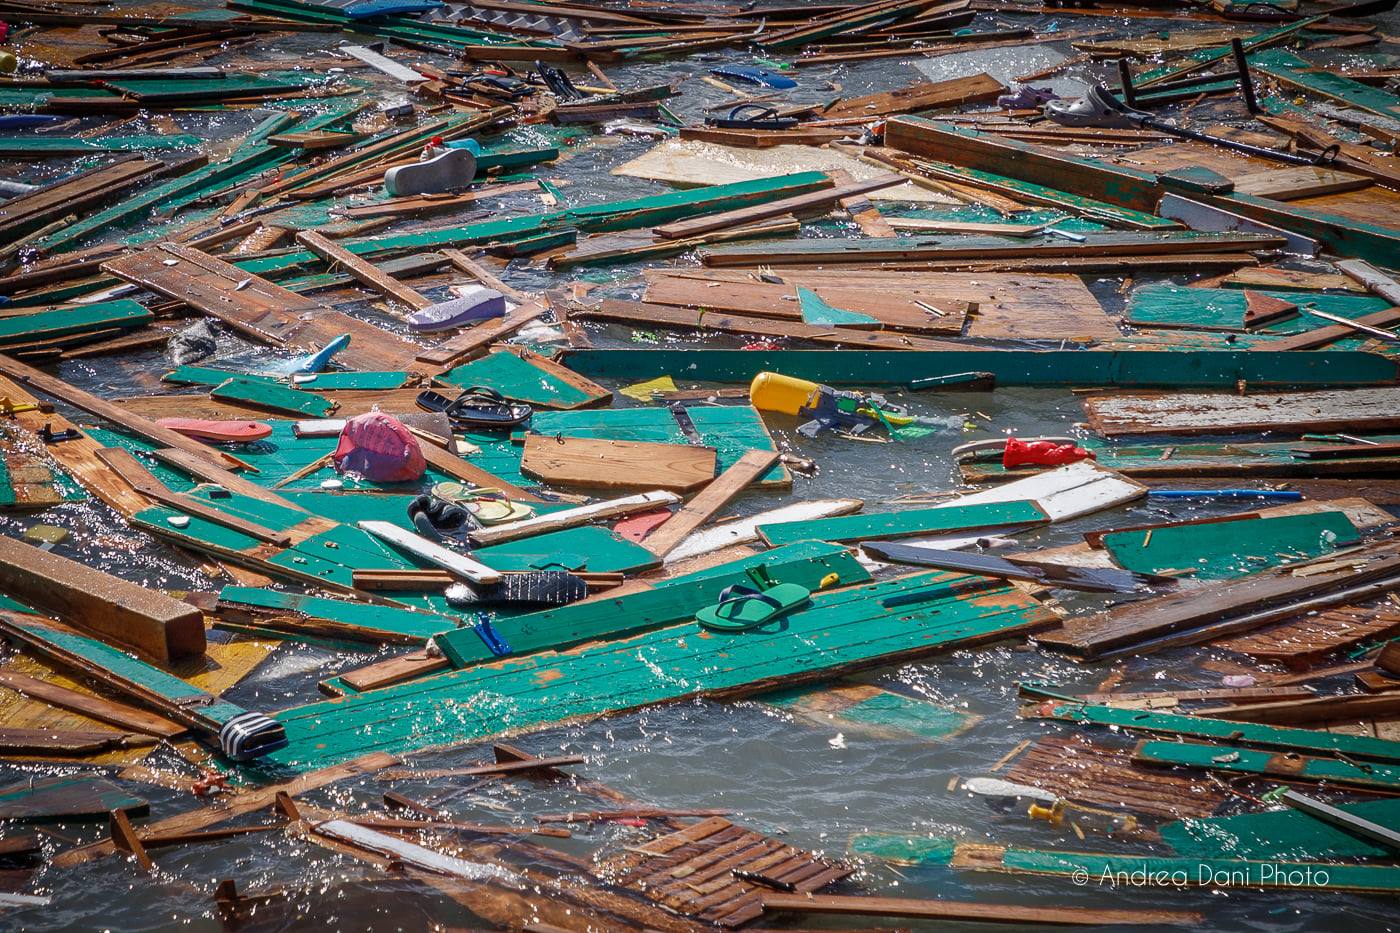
point(29, 212)
point(842, 630)
point(259, 309)
point(692, 870)
point(1083, 771)
point(1308, 639)
point(1357, 410)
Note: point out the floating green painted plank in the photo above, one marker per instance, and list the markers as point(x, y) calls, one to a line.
point(79, 319)
point(1108, 870)
point(1224, 308)
point(1282, 833)
point(1248, 761)
point(818, 312)
point(343, 617)
point(840, 629)
point(590, 547)
point(905, 522)
point(272, 396)
point(313, 382)
point(1228, 549)
point(903, 850)
point(396, 26)
point(663, 208)
point(49, 799)
point(1244, 733)
point(873, 709)
point(1295, 72)
point(671, 601)
point(49, 146)
point(346, 381)
point(200, 90)
point(1164, 369)
point(519, 380)
point(1198, 59)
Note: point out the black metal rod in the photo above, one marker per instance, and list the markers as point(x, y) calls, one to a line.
point(1246, 82)
point(1125, 78)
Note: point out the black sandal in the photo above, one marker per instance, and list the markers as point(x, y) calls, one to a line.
point(477, 408)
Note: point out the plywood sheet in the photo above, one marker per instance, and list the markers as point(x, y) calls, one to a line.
point(611, 464)
point(689, 163)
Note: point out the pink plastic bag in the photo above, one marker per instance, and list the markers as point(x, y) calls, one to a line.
point(379, 448)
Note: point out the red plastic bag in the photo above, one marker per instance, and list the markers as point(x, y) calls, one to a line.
point(379, 448)
point(1041, 453)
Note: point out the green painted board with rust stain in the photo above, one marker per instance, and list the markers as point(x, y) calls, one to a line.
point(1205, 872)
point(123, 314)
point(1250, 761)
point(906, 522)
point(53, 799)
point(522, 381)
point(1281, 834)
point(1229, 549)
point(272, 396)
point(903, 850)
point(346, 618)
point(841, 629)
point(1243, 733)
point(1159, 369)
point(1176, 306)
point(671, 601)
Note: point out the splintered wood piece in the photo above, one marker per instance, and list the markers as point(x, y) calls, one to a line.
point(362, 270)
point(237, 805)
point(394, 670)
point(94, 707)
point(710, 500)
point(608, 464)
point(1262, 309)
point(137, 617)
point(124, 838)
point(53, 742)
point(484, 275)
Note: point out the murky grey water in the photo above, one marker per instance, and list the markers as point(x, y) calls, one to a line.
point(776, 773)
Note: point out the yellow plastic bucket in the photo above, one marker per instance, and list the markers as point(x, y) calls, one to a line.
point(785, 394)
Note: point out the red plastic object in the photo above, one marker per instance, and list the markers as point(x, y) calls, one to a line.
point(217, 431)
point(380, 449)
point(1041, 453)
point(761, 345)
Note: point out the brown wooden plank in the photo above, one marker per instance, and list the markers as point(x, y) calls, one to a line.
point(1311, 710)
point(463, 469)
point(923, 95)
point(475, 339)
point(146, 620)
point(74, 193)
point(362, 270)
point(1195, 413)
point(393, 671)
point(715, 496)
point(1321, 336)
point(94, 707)
point(58, 742)
point(484, 275)
point(609, 464)
point(636, 312)
point(259, 309)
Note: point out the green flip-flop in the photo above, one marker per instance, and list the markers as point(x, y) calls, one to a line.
point(741, 608)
